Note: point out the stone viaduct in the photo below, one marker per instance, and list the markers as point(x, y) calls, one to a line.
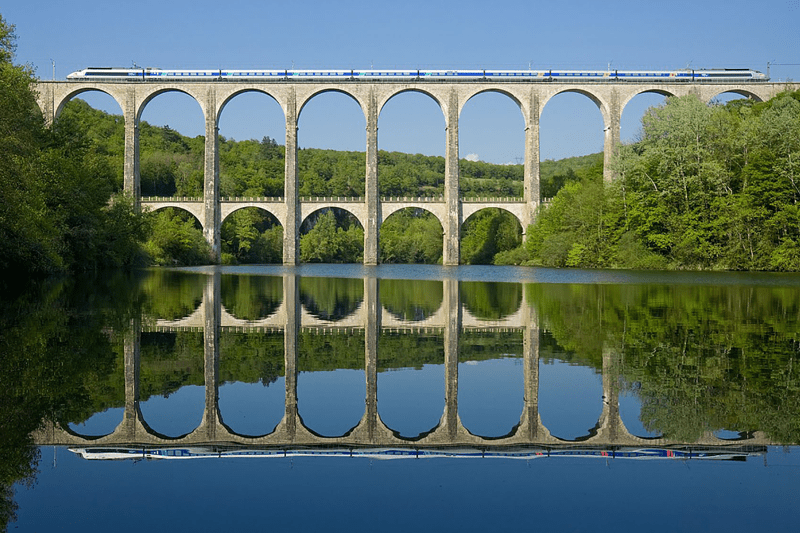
point(610, 97)
point(371, 430)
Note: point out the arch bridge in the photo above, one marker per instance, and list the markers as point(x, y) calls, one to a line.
point(611, 97)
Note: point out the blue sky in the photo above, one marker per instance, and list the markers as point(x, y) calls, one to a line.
point(411, 34)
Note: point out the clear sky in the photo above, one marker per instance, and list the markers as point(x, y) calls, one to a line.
point(509, 34)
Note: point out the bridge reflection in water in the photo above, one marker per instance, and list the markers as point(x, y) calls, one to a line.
point(371, 436)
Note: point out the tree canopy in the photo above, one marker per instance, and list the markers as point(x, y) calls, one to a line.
point(706, 187)
point(55, 208)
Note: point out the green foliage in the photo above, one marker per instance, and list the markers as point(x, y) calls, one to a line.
point(331, 298)
point(699, 357)
point(171, 295)
point(251, 297)
point(55, 189)
point(251, 235)
point(411, 236)
point(488, 232)
point(554, 175)
point(706, 187)
point(55, 361)
point(491, 300)
point(329, 241)
point(251, 168)
point(407, 300)
point(573, 230)
point(176, 240)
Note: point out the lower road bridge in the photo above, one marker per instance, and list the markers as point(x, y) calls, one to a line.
point(611, 96)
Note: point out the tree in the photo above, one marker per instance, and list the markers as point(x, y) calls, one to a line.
point(488, 232)
point(327, 242)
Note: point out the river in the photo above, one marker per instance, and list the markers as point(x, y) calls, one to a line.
point(397, 398)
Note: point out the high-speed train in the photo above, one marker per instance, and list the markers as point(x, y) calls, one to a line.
point(156, 74)
point(522, 452)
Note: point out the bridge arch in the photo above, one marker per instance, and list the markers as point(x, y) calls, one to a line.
point(391, 208)
point(759, 94)
point(193, 208)
point(318, 176)
point(251, 234)
point(274, 211)
point(650, 90)
point(425, 247)
point(408, 125)
point(162, 89)
point(470, 209)
point(432, 94)
point(595, 97)
point(488, 231)
point(337, 213)
point(634, 106)
point(492, 129)
point(77, 92)
point(301, 104)
point(226, 98)
point(491, 384)
point(510, 93)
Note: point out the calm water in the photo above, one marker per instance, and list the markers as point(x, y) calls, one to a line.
point(531, 398)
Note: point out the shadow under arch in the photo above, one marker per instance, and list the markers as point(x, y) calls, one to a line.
point(488, 231)
point(172, 382)
point(73, 429)
point(251, 235)
point(491, 386)
point(252, 382)
point(411, 235)
point(150, 431)
point(331, 380)
point(323, 436)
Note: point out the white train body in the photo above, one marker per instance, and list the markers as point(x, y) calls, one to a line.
point(676, 76)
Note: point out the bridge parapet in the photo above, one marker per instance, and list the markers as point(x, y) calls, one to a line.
point(250, 199)
point(492, 199)
point(168, 199)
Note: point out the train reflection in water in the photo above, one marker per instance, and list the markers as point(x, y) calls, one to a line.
point(224, 452)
